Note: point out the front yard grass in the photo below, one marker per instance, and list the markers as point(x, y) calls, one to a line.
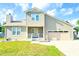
point(1, 38)
point(23, 48)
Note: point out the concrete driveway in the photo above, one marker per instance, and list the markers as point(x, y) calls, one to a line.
point(69, 48)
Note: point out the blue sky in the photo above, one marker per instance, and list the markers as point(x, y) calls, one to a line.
point(63, 11)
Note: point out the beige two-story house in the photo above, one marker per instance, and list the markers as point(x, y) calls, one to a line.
point(38, 26)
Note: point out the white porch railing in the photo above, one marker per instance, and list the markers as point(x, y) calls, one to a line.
point(35, 36)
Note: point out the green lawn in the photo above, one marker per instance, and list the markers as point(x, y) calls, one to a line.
point(2, 38)
point(23, 48)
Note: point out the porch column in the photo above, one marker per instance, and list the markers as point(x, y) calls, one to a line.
point(44, 37)
point(5, 34)
point(26, 33)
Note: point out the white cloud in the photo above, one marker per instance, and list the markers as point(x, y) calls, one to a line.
point(2, 17)
point(9, 11)
point(40, 5)
point(59, 5)
point(4, 12)
point(77, 9)
point(63, 10)
point(24, 6)
point(68, 11)
point(51, 12)
point(43, 5)
point(14, 17)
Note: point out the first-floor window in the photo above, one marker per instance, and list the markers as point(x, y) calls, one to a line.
point(16, 30)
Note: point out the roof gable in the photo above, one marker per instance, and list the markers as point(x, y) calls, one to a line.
point(34, 10)
point(37, 10)
point(57, 19)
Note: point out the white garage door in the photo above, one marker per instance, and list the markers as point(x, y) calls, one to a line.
point(58, 35)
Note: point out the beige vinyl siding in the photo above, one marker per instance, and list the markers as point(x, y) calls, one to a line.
point(68, 28)
point(22, 23)
point(33, 23)
point(50, 23)
point(22, 35)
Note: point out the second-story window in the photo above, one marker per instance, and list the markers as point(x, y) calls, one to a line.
point(35, 17)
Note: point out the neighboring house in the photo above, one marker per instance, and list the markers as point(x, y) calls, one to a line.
point(38, 26)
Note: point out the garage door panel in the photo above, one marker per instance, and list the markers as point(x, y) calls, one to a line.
point(58, 35)
point(53, 34)
point(65, 36)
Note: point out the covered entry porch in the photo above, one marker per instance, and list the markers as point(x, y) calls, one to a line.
point(35, 33)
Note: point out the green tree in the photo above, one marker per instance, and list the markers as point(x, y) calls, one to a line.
point(77, 29)
point(77, 22)
point(0, 27)
point(3, 29)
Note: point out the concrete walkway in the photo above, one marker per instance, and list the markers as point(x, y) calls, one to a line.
point(69, 48)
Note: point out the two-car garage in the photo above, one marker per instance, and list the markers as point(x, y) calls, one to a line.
point(58, 35)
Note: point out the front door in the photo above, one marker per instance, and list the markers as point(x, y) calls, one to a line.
point(34, 34)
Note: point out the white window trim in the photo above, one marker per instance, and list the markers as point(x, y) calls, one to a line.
point(35, 17)
point(19, 30)
point(16, 31)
